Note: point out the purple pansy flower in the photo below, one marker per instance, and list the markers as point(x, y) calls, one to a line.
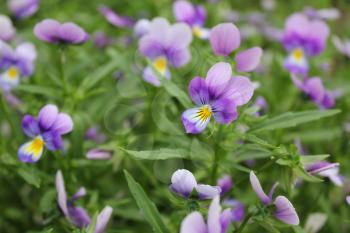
point(165, 45)
point(52, 31)
point(75, 214)
point(46, 131)
point(218, 221)
point(7, 31)
point(313, 87)
point(193, 15)
point(237, 209)
point(225, 183)
point(218, 96)
point(15, 63)
point(303, 38)
point(343, 46)
point(23, 8)
point(115, 19)
point(141, 27)
point(285, 211)
point(183, 183)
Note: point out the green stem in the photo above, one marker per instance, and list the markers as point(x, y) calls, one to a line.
point(244, 223)
point(62, 63)
point(9, 119)
point(217, 156)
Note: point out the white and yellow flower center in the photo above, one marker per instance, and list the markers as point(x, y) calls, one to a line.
point(12, 72)
point(36, 146)
point(160, 64)
point(197, 31)
point(298, 54)
point(204, 113)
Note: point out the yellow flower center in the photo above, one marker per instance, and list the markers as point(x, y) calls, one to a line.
point(204, 113)
point(160, 65)
point(197, 31)
point(12, 72)
point(298, 54)
point(36, 145)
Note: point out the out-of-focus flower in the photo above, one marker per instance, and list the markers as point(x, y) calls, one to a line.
point(218, 221)
point(75, 214)
point(218, 96)
point(193, 15)
point(183, 183)
point(15, 63)
point(52, 31)
point(326, 169)
point(324, 14)
point(225, 183)
point(99, 154)
point(7, 31)
point(23, 8)
point(101, 40)
point(261, 103)
point(237, 209)
point(313, 87)
point(303, 41)
point(348, 200)
point(268, 5)
point(115, 19)
point(46, 131)
point(94, 134)
point(141, 27)
point(343, 46)
point(284, 211)
point(315, 222)
point(165, 45)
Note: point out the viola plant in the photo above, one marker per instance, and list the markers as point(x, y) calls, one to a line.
point(46, 132)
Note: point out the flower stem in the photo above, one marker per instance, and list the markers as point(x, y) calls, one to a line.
point(244, 223)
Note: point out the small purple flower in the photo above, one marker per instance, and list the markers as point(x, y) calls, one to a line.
point(7, 31)
point(115, 19)
point(102, 219)
point(23, 8)
point(101, 40)
point(303, 38)
point(261, 103)
point(218, 96)
point(217, 222)
point(285, 211)
point(165, 45)
point(237, 209)
point(15, 63)
point(76, 215)
point(193, 15)
point(343, 46)
point(46, 131)
point(94, 134)
point(326, 169)
point(225, 183)
point(348, 200)
point(52, 31)
point(99, 154)
point(324, 14)
point(206, 191)
point(313, 87)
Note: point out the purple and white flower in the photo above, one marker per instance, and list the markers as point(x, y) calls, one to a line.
point(193, 15)
point(324, 14)
point(326, 169)
point(237, 209)
point(285, 211)
point(141, 27)
point(225, 183)
point(217, 96)
point(115, 19)
point(218, 221)
point(164, 45)
point(46, 132)
point(7, 31)
point(23, 8)
point(99, 154)
point(303, 38)
point(343, 46)
point(15, 64)
point(52, 31)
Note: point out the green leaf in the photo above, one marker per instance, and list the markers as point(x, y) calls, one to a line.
point(292, 119)
point(269, 227)
point(159, 154)
point(307, 159)
point(300, 172)
point(176, 92)
point(147, 207)
point(92, 225)
point(30, 175)
point(298, 229)
point(40, 90)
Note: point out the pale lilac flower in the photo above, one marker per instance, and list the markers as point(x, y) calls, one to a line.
point(165, 45)
point(94, 134)
point(324, 14)
point(52, 31)
point(285, 211)
point(23, 8)
point(193, 15)
point(99, 154)
point(206, 191)
point(218, 221)
point(7, 31)
point(102, 219)
point(261, 103)
point(46, 131)
point(142, 27)
point(225, 183)
point(343, 46)
point(237, 209)
point(303, 38)
point(315, 222)
point(15, 64)
point(101, 40)
point(313, 87)
point(218, 96)
point(348, 200)
point(326, 169)
point(115, 19)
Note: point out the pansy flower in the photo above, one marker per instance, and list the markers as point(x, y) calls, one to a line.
point(23, 8)
point(115, 19)
point(75, 214)
point(46, 132)
point(52, 31)
point(7, 31)
point(326, 169)
point(225, 183)
point(193, 15)
point(284, 210)
point(217, 96)
point(164, 45)
point(313, 87)
point(183, 183)
point(141, 27)
point(303, 38)
point(218, 221)
point(15, 64)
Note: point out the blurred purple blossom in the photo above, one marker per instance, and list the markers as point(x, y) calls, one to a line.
point(324, 14)
point(343, 46)
point(237, 209)
point(225, 183)
point(115, 19)
point(99, 154)
point(7, 31)
point(23, 8)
